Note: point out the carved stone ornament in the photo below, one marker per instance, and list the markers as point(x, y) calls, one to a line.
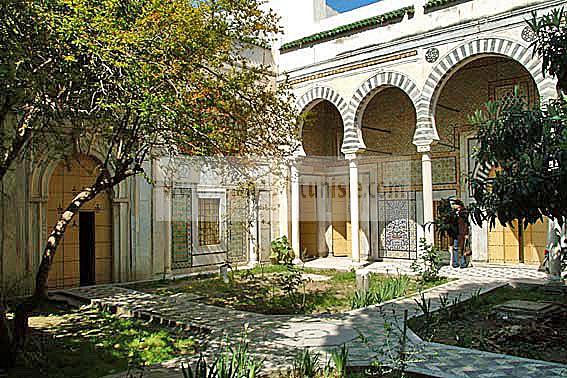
point(528, 34)
point(432, 55)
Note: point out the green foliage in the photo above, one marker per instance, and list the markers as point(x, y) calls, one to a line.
point(162, 80)
point(306, 364)
point(282, 252)
point(526, 150)
point(90, 343)
point(551, 43)
point(200, 370)
point(40, 86)
point(424, 305)
point(289, 283)
point(446, 219)
point(237, 362)
point(142, 346)
point(382, 291)
point(232, 362)
point(428, 264)
point(361, 299)
point(339, 357)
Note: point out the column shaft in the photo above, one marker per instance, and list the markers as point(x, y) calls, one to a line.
point(295, 210)
point(427, 196)
point(354, 210)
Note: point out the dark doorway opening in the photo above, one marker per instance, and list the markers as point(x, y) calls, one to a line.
point(87, 247)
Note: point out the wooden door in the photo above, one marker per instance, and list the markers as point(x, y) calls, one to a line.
point(342, 234)
point(535, 242)
point(504, 244)
point(66, 181)
point(507, 245)
point(308, 221)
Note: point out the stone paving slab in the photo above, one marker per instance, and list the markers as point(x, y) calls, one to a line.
point(371, 333)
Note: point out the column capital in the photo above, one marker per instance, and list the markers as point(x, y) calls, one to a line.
point(350, 156)
point(424, 147)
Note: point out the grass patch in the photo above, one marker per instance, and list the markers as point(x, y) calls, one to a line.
point(67, 342)
point(474, 324)
point(257, 290)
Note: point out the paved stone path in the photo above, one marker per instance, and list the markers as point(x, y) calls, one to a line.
point(372, 334)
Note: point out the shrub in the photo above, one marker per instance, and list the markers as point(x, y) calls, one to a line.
point(428, 265)
point(382, 291)
point(306, 364)
point(232, 362)
point(282, 253)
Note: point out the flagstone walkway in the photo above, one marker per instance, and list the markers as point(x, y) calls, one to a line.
point(371, 334)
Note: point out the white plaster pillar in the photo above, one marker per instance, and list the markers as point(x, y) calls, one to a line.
point(254, 247)
point(354, 209)
point(295, 209)
point(284, 210)
point(427, 182)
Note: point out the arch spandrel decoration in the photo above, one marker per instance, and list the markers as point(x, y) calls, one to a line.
point(426, 131)
point(363, 95)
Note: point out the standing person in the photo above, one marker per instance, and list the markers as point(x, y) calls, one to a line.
point(461, 243)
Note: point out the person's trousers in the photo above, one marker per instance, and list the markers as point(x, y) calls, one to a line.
point(457, 260)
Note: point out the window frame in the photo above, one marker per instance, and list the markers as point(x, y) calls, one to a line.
point(216, 248)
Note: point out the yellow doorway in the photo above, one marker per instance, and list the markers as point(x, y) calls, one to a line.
point(514, 245)
point(85, 253)
point(342, 246)
point(308, 221)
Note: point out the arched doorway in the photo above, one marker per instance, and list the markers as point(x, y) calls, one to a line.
point(322, 137)
point(477, 80)
point(84, 256)
point(388, 122)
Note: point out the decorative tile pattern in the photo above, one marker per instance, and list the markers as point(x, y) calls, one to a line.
point(181, 228)
point(397, 220)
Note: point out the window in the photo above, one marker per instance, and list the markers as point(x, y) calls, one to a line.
point(181, 228)
point(209, 221)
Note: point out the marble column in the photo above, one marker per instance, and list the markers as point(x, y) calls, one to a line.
point(295, 209)
point(354, 209)
point(427, 182)
point(283, 211)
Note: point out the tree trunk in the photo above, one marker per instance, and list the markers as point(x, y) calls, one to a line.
point(556, 237)
point(19, 142)
point(5, 340)
point(102, 183)
point(40, 293)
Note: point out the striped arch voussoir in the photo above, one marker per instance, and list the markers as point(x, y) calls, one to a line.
point(488, 46)
point(390, 79)
point(364, 93)
point(322, 93)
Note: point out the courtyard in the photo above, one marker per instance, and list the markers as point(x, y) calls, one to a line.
point(171, 324)
point(283, 189)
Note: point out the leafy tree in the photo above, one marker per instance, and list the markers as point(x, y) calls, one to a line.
point(45, 94)
point(551, 44)
point(175, 79)
point(525, 148)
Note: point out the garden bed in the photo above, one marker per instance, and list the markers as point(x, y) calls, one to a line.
point(481, 324)
point(66, 342)
point(265, 290)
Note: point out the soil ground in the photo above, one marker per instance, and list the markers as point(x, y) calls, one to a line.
point(475, 325)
